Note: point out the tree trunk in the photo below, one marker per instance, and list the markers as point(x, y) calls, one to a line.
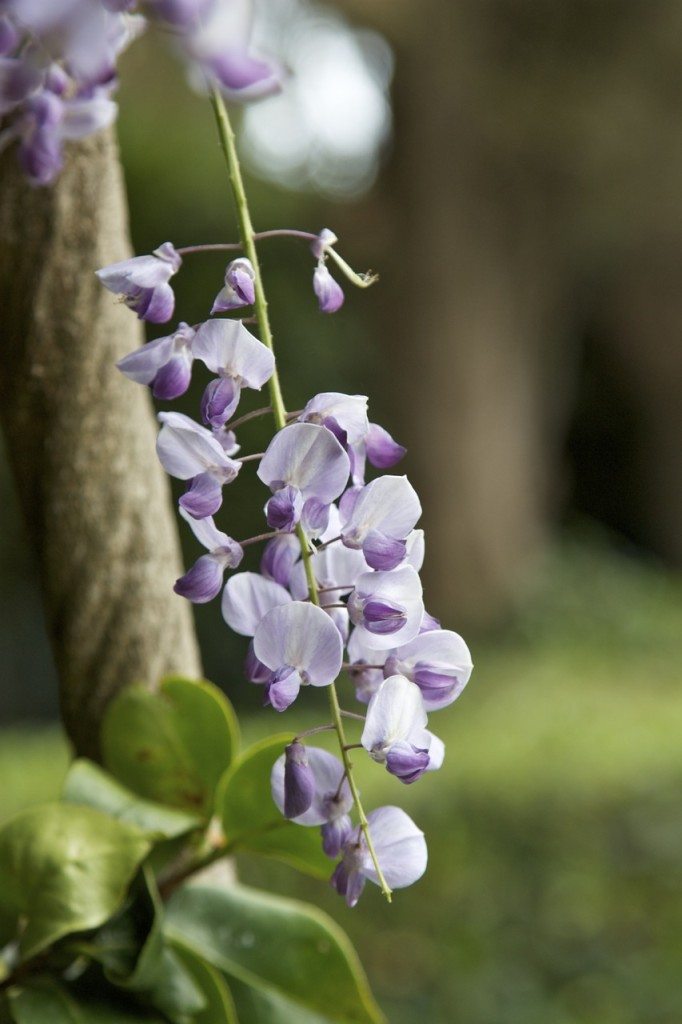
point(81, 437)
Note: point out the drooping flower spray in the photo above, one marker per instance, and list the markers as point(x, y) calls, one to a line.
point(341, 556)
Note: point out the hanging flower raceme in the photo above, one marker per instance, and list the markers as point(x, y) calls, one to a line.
point(339, 567)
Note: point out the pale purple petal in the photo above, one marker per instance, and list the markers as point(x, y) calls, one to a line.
point(400, 847)
point(429, 623)
point(203, 497)
point(187, 449)
point(414, 553)
point(229, 350)
point(219, 401)
point(85, 116)
point(307, 457)
point(388, 504)
point(438, 661)
point(315, 517)
point(400, 591)
point(334, 835)
point(348, 411)
point(239, 287)
point(206, 532)
point(299, 780)
point(407, 761)
point(280, 555)
point(332, 798)
point(283, 509)
point(245, 77)
point(348, 882)
point(303, 637)
point(382, 451)
point(247, 598)
point(382, 552)
point(394, 713)
point(9, 36)
point(282, 688)
point(202, 582)
point(329, 292)
point(254, 670)
point(326, 239)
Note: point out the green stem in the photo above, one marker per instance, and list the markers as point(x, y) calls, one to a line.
point(229, 147)
point(227, 142)
point(337, 718)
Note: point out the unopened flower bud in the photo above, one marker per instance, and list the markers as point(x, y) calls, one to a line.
point(299, 781)
point(329, 293)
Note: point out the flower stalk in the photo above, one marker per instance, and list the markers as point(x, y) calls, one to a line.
point(248, 239)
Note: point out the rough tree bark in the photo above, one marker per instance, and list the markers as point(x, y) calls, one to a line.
point(81, 440)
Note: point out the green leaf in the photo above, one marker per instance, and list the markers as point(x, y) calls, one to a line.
point(294, 958)
point(219, 1007)
point(66, 869)
point(44, 1001)
point(136, 957)
point(171, 745)
point(87, 783)
point(251, 820)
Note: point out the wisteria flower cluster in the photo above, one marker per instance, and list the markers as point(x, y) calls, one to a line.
point(337, 587)
point(58, 65)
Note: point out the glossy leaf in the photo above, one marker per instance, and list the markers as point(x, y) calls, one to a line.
point(66, 869)
point(88, 784)
point(44, 1001)
point(171, 745)
point(136, 957)
point(294, 958)
point(251, 820)
point(219, 1007)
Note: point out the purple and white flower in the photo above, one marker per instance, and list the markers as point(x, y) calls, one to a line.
point(366, 666)
point(301, 646)
point(238, 358)
point(439, 662)
point(203, 581)
point(395, 732)
point(331, 799)
point(344, 415)
point(239, 288)
point(142, 282)
point(387, 607)
point(381, 518)
point(308, 458)
point(247, 599)
point(381, 450)
point(400, 848)
point(220, 44)
point(165, 365)
point(188, 451)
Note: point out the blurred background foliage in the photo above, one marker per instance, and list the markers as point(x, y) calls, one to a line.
point(512, 168)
